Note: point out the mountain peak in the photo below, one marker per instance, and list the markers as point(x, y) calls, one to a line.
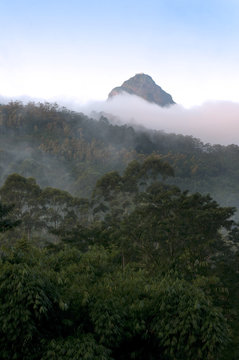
point(144, 86)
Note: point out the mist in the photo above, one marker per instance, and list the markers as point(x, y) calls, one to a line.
point(214, 122)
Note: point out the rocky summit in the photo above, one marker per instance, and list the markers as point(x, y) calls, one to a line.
point(143, 85)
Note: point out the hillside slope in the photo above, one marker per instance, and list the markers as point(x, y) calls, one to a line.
point(69, 150)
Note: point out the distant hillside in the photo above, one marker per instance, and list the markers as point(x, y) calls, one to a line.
point(143, 86)
point(71, 151)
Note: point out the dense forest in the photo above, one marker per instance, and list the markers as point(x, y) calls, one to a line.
point(139, 270)
point(111, 247)
point(71, 151)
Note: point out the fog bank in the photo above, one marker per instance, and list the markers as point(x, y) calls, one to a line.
point(215, 122)
point(212, 122)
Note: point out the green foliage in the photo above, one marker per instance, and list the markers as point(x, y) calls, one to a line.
point(29, 302)
point(83, 306)
point(40, 209)
point(117, 193)
point(109, 182)
point(154, 165)
point(143, 271)
point(68, 150)
point(186, 323)
point(7, 223)
point(83, 347)
point(170, 228)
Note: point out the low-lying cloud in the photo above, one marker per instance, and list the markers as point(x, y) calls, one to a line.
point(212, 122)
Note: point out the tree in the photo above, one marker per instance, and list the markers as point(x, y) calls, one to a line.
point(6, 222)
point(69, 305)
point(169, 227)
point(24, 194)
point(186, 323)
point(29, 304)
point(81, 347)
point(118, 193)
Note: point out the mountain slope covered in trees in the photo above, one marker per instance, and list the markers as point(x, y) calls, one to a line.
point(70, 151)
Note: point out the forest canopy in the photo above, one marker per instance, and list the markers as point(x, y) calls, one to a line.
point(139, 270)
point(70, 151)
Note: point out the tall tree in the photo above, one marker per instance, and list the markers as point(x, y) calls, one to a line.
point(6, 222)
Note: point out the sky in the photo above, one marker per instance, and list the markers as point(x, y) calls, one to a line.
point(82, 49)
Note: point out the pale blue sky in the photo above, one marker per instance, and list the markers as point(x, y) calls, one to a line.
point(83, 49)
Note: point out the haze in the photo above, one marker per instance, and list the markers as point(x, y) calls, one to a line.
point(79, 49)
point(75, 52)
point(212, 122)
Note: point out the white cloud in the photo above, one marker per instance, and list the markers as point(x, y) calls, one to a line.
point(214, 122)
